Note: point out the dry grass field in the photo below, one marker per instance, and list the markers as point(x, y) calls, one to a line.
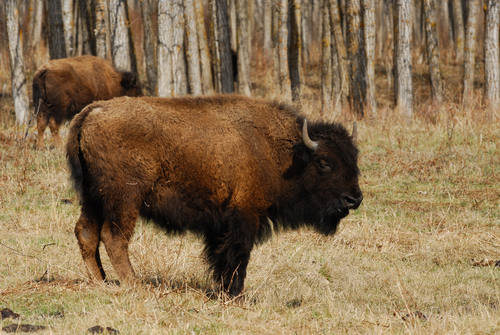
point(417, 257)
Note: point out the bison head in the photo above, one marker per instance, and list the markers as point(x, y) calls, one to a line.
point(131, 85)
point(328, 175)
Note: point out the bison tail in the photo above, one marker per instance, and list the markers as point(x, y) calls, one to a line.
point(73, 152)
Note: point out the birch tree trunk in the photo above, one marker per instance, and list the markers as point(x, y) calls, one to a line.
point(57, 44)
point(369, 30)
point(232, 24)
point(206, 69)
point(221, 39)
point(164, 87)
point(357, 56)
point(336, 26)
point(120, 48)
point(491, 54)
point(100, 18)
point(432, 43)
point(295, 48)
point(16, 58)
point(192, 50)
point(268, 27)
point(242, 41)
point(67, 14)
point(459, 29)
point(86, 32)
point(403, 85)
point(470, 47)
point(36, 32)
point(326, 61)
point(149, 45)
point(283, 70)
point(179, 56)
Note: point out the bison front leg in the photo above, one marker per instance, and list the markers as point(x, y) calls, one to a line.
point(228, 251)
point(116, 237)
point(87, 231)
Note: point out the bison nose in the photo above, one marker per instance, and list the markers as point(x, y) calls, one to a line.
point(351, 202)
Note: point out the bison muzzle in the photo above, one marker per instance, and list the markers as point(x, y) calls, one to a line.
point(228, 168)
point(63, 87)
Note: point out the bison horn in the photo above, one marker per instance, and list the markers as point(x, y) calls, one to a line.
point(313, 145)
point(355, 133)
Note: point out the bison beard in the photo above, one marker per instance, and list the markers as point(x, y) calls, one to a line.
point(223, 167)
point(63, 87)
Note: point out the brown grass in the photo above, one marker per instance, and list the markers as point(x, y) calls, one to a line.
point(418, 256)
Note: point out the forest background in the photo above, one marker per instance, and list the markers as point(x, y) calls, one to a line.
point(420, 77)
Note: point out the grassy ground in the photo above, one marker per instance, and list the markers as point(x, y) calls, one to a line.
point(418, 256)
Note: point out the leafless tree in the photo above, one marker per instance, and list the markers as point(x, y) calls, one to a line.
point(470, 47)
point(221, 39)
point(336, 25)
point(192, 50)
point(357, 56)
point(206, 69)
point(149, 45)
point(432, 43)
point(283, 70)
point(57, 44)
point(243, 45)
point(16, 58)
point(403, 85)
point(491, 54)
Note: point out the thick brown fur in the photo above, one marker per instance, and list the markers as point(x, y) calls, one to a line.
point(218, 166)
point(63, 87)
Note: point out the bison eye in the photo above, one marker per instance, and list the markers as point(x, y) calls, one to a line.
point(324, 166)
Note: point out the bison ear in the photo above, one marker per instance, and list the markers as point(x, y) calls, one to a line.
point(129, 80)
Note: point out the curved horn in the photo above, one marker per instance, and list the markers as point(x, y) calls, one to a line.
point(355, 133)
point(313, 145)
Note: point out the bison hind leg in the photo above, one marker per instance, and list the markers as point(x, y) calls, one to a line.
point(42, 120)
point(87, 231)
point(228, 247)
point(54, 126)
point(116, 236)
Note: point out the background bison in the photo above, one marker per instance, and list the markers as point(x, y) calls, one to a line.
point(63, 87)
point(217, 166)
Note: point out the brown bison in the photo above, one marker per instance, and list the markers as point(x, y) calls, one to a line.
point(228, 168)
point(63, 87)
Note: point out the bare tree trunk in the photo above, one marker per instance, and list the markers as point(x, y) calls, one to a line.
point(164, 87)
point(369, 30)
point(470, 47)
point(86, 21)
point(16, 58)
point(326, 60)
point(459, 29)
point(100, 28)
point(149, 45)
point(357, 56)
point(67, 14)
point(57, 44)
point(336, 25)
point(206, 69)
point(192, 50)
point(119, 35)
point(283, 70)
point(244, 83)
point(36, 32)
point(295, 49)
point(306, 31)
point(179, 56)
point(224, 82)
point(403, 85)
point(491, 54)
point(432, 42)
point(268, 28)
point(232, 24)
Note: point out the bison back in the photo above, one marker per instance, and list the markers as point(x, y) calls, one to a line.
point(200, 151)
